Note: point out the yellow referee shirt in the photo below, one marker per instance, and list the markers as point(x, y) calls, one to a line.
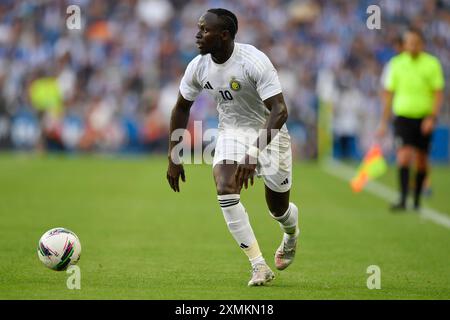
point(413, 82)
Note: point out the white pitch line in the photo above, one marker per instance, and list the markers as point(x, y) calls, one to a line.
point(346, 173)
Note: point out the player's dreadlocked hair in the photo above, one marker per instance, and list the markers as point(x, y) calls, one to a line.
point(228, 20)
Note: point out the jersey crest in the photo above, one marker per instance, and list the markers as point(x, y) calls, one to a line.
point(235, 85)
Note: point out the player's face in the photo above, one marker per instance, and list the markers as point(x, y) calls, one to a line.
point(412, 43)
point(209, 35)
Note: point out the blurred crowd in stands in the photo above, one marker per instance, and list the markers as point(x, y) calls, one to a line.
point(111, 85)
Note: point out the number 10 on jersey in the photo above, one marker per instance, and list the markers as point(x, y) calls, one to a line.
point(226, 95)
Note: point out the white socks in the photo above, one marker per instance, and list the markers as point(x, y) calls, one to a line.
point(288, 222)
point(239, 225)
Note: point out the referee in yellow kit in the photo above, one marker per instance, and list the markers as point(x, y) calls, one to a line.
point(413, 90)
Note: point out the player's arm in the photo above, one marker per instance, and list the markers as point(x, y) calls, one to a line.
point(430, 121)
point(277, 118)
point(178, 120)
point(437, 103)
point(386, 98)
point(437, 84)
point(389, 84)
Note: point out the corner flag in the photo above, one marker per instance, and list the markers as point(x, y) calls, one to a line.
point(372, 166)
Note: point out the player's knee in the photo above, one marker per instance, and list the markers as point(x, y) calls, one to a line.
point(422, 162)
point(404, 157)
point(422, 166)
point(223, 188)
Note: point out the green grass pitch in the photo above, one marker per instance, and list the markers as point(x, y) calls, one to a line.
point(142, 241)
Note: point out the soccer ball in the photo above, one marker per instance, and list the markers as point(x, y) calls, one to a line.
point(58, 248)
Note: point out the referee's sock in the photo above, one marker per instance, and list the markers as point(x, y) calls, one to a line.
point(420, 178)
point(404, 184)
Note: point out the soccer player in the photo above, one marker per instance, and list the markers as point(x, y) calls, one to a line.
point(245, 85)
point(414, 90)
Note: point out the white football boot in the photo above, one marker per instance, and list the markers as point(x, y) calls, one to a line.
point(261, 274)
point(285, 253)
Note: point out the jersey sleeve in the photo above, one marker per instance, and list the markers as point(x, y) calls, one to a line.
point(384, 74)
point(266, 79)
point(190, 87)
point(389, 77)
point(437, 80)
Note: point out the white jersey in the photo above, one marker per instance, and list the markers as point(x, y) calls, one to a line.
point(239, 86)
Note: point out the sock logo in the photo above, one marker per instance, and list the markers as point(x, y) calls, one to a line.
point(286, 181)
point(243, 246)
point(208, 86)
point(228, 202)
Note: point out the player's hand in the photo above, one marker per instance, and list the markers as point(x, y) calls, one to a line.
point(381, 131)
point(428, 125)
point(174, 172)
point(245, 171)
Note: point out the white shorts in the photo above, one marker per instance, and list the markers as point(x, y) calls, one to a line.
point(274, 162)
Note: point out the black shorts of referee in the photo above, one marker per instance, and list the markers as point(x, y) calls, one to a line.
point(408, 132)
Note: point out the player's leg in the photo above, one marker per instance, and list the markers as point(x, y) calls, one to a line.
point(278, 180)
point(421, 173)
point(404, 140)
point(404, 157)
point(427, 187)
point(278, 202)
point(286, 214)
point(236, 217)
point(422, 166)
